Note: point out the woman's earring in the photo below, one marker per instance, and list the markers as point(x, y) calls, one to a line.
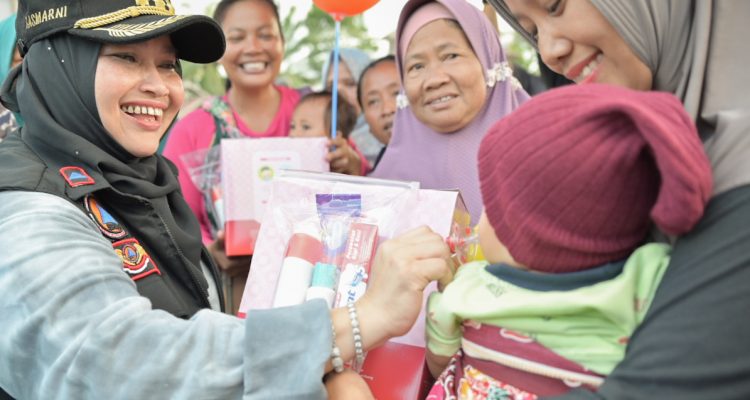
point(401, 101)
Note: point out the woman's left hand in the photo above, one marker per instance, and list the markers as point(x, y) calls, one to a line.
point(343, 158)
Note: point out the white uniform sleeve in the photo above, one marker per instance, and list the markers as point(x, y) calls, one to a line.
point(74, 326)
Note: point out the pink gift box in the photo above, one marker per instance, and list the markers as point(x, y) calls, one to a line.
point(248, 167)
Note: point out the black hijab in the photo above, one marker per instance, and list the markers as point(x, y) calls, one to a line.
point(54, 92)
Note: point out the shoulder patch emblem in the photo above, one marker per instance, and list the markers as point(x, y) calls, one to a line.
point(76, 176)
point(135, 260)
point(107, 224)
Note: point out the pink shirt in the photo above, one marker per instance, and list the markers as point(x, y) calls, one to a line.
point(195, 131)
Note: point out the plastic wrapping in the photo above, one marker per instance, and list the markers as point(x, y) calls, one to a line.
point(349, 241)
point(204, 169)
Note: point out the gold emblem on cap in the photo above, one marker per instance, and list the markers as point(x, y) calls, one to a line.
point(165, 4)
point(141, 7)
point(126, 30)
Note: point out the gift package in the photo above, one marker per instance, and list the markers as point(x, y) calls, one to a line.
point(319, 235)
point(234, 178)
point(248, 167)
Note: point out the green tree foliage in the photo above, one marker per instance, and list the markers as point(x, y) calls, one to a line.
point(310, 40)
point(202, 77)
point(521, 53)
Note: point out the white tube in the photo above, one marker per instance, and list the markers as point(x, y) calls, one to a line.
point(294, 279)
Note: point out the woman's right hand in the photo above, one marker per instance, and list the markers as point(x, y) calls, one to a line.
point(402, 268)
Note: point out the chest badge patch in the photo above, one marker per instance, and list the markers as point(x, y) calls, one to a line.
point(107, 224)
point(76, 176)
point(135, 260)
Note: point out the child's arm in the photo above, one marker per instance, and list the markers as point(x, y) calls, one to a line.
point(443, 332)
point(436, 363)
point(345, 159)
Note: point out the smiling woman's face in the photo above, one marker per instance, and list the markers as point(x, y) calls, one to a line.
point(443, 78)
point(138, 92)
point(255, 47)
point(576, 40)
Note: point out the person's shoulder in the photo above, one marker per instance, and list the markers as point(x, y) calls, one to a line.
point(189, 130)
point(470, 272)
point(197, 116)
point(44, 218)
point(38, 203)
point(291, 95)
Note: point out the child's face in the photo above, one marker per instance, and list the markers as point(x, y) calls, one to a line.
point(308, 119)
point(494, 251)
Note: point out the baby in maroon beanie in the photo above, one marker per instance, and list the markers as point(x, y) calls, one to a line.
point(572, 183)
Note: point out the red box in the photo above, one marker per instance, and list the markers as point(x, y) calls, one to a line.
point(240, 237)
point(397, 371)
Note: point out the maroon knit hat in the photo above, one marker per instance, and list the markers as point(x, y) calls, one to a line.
point(574, 177)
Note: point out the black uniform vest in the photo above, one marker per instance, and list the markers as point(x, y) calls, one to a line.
point(171, 285)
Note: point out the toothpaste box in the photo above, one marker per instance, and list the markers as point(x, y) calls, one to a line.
point(355, 268)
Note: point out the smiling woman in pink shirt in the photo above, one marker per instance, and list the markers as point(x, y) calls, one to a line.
point(254, 106)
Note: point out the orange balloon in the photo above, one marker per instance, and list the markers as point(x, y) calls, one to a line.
point(344, 8)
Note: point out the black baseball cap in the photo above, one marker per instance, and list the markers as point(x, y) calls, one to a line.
point(197, 38)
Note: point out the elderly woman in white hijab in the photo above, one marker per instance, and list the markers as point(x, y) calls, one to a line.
point(695, 49)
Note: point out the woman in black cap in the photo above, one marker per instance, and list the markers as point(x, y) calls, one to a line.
point(106, 289)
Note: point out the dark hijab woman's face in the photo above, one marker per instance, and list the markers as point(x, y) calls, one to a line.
point(138, 92)
point(576, 40)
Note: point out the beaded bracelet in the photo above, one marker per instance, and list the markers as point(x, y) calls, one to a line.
point(336, 361)
point(359, 353)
